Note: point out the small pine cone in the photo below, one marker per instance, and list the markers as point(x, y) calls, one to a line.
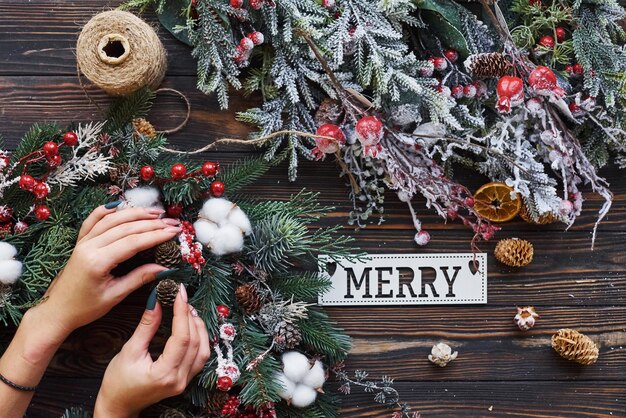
point(168, 254)
point(488, 64)
point(167, 290)
point(572, 345)
point(172, 413)
point(118, 171)
point(143, 127)
point(514, 252)
point(248, 298)
point(330, 111)
point(545, 219)
point(216, 401)
point(287, 336)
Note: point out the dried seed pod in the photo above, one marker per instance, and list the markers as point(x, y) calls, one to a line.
point(441, 354)
point(526, 318)
point(572, 345)
point(514, 252)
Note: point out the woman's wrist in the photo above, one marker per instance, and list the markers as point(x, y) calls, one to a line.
point(43, 332)
point(106, 409)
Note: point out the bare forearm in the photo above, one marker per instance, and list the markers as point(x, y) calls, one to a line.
point(26, 359)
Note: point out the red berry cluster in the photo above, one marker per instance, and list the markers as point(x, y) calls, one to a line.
point(575, 70)
point(243, 51)
point(446, 63)
point(231, 409)
point(179, 171)
point(191, 250)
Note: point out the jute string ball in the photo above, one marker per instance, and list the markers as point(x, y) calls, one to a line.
point(120, 53)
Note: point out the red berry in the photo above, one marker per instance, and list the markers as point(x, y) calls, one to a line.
point(240, 54)
point(5, 213)
point(175, 210)
point(510, 92)
point(560, 34)
point(569, 69)
point(42, 212)
point(536, 3)
point(27, 182)
point(146, 173)
point(217, 188)
point(54, 161)
point(369, 130)
point(451, 55)
point(457, 92)
point(547, 41)
point(50, 149)
point(469, 201)
point(246, 44)
point(439, 63)
point(236, 3)
point(328, 4)
point(70, 139)
point(256, 4)
point(209, 169)
point(257, 38)
point(178, 171)
point(20, 227)
point(224, 383)
point(223, 311)
point(470, 91)
point(575, 109)
point(326, 145)
point(41, 190)
point(578, 69)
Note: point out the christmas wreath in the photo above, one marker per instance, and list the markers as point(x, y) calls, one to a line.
point(252, 266)
point(530, 93)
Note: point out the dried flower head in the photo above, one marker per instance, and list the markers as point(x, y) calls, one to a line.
point(441, 354)
point(525, 318)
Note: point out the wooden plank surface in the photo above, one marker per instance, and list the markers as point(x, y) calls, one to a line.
point(499, 372)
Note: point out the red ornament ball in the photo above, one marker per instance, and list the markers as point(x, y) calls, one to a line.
point(451, 55)
point(41, 190)
point(178, 171)
point(42, 212)
point(217, 188)
point(326, 145)
point(257, 38)
point(175, 210)
point(20, 227)
point(237, 4)
point(224, 383)
point(146, 172)
point(223, 311)
point(50, 149)
point(457, 92)
point(70, 139)
point(209, 169)
point(26, 182)
point(547, 41)
point(439, 63)
point(560, 34)
point(369, 130)
point(54, 161)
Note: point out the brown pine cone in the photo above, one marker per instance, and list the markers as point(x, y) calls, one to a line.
point(572, 345)
point(248, 298)
point(118, 171)
point(545, 219)
point(167, 289)
point(216, 401)
point(330, 111)
point(287, 336)
point(514, 252)
point(143, 127)
point(488, 64)
point(168, 254)
point(172, 413)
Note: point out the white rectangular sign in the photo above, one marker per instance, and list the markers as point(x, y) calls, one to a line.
point(411, 279)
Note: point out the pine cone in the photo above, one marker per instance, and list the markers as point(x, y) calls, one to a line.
point(572, 345)
point(143, 127)
point(514, 252)
point(167, 289)
point(329, 112)
point(172, 413)
point(216, 401)
point(488, 64)
point(545, 219)
point(168, 254)
point(287, 336)
point(118, 172)
point(248, 298)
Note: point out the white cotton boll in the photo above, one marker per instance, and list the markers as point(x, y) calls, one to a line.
point(239, 218)
point(316, 377)
point(228, 239)
point(303, 396)
point(295, 365)
point(287, 386)
point(10, 271)
point(205, 231)
point(7, 251)
point(216, 210)
point(142, 197)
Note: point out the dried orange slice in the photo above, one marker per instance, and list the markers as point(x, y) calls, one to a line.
point(493, 201)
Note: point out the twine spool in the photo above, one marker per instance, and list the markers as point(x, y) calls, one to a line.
point(120, 53)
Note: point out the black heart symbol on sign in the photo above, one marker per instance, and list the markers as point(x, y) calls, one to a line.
point(474, 265)
point(331, 267)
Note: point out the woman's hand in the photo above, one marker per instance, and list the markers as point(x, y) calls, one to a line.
point(133, 381)
point(86, 290)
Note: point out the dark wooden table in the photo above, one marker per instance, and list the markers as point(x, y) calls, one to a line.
point(499, 372)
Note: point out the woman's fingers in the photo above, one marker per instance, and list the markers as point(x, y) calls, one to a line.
point(125, 248)
point(94, 217)
point(130, 228)
point(113, 219)
point(148, 326)
point(132, 281)
point(204, 350)
point(178, 343)
point(194, 343)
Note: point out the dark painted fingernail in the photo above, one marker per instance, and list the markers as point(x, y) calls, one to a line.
point(112, 205)
point(165, 273)
point(152, 299)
